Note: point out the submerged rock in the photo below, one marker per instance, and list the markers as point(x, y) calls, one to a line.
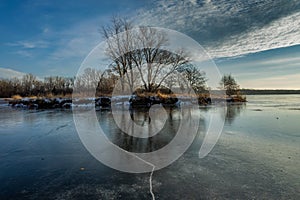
point(103, 101)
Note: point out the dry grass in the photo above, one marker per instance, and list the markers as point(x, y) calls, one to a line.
point(50, 96)
point(16, 97)
point(32, 97)
point(174, 95)
point(165, 96)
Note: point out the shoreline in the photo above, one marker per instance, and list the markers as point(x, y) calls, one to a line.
point(105, 102)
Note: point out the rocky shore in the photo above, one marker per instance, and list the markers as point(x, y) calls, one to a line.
point(54, 103)
point(105, 102)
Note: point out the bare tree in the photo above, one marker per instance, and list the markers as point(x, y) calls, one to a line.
point(193, 79)
point(16, 85)
point(87, 82)
point(229, 84)
point(172, 81)
point(141, 53)
point(151, 60)
point(119, 41)
point(28, 83)
point(107, 83)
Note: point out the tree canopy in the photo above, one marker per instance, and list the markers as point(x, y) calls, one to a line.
point(229, 84)
point(139, 58)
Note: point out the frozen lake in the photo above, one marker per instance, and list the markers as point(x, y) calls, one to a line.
point(256, 157)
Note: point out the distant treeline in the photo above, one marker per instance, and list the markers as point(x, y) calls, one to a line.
point(268, 92)
point(30, 85)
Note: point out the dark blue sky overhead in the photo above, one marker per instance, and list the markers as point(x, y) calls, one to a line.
point(257, 41)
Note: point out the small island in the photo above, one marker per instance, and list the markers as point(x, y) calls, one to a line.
point(57, 97)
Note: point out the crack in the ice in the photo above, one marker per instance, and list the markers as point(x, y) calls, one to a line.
point(150, 178)
point(150, 182)
point(151, 175)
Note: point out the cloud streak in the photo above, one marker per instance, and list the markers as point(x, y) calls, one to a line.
point(230, 28)
point(26, 44)
point(6, 73)
point(291, 81)
point(280, 33)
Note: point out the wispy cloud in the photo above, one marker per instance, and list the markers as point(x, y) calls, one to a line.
point(23, 53)
point(6, 73)
point(283, 32)
point(27, 48)
point(291, 81)
point(230, 28)
point(26, 44)
point(281, 61)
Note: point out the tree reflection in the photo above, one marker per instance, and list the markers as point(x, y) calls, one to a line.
point(233, 111)
point(141, 117)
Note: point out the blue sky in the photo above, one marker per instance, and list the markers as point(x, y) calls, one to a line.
point(257, 41)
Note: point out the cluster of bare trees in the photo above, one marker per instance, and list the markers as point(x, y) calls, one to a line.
point(30, 85)
point(140, 59)
point(95, 82)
